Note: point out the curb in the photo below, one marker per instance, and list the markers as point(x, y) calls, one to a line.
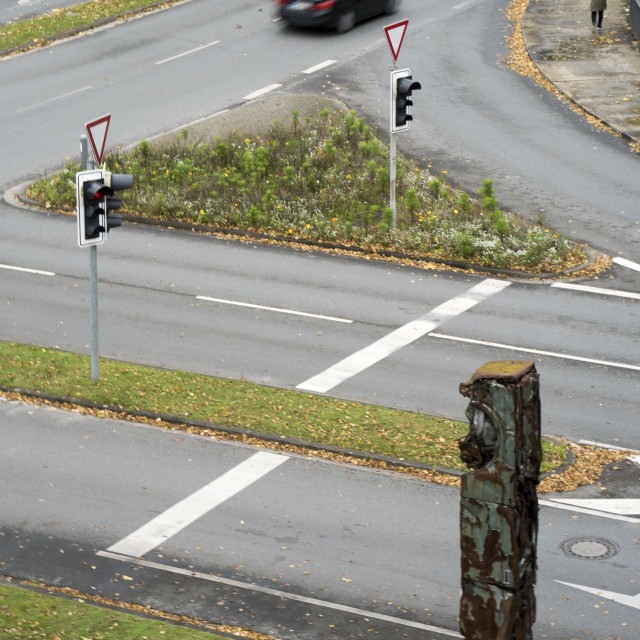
point(392, 462)
point(16, 197)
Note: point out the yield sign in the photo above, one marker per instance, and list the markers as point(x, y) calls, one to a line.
point(97, 131)
point(395, 36)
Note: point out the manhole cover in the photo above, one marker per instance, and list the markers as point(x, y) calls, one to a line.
point(589, 548)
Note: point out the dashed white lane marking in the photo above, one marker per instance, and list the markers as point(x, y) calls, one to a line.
point(598, 290)
point(275, 309)
point(623, 262)
point(25, 270)
point(182, 514)
point(322, 65)
point(510, 347)
point(261, 92)
point(280, 594)
point(186, 53)
point(62, 96)
point(401, 337)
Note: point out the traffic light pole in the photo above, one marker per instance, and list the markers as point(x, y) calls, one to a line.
point(93, 275)
point(392, 166)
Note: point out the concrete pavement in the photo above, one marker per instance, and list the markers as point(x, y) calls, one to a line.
point(599, 72)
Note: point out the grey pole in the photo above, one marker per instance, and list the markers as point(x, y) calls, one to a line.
point(93, 275)
point(392, 179)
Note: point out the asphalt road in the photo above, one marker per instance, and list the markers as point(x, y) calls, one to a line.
point(297, 547)
point(477, 120)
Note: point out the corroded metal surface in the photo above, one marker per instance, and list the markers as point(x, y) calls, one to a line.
point(499, 507)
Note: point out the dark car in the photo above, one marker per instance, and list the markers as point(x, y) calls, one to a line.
point(341, 15)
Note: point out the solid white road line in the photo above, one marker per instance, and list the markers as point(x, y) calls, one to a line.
point(276, 309)
point(590, 512)
point(261, 92)
point(498, 345)
point(182, 514)
point(280, 594)
point(322, 65)
point(598, 290)
point(186, 53)
point(621, 506)
point(602, 445)
point(623, 262)
point(621, 598)
point(401, 337)
point(25, 270)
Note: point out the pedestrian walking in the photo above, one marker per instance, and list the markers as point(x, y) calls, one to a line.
point(597, 8)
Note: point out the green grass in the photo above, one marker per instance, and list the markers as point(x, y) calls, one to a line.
point(47, 27)
point(350, 425)
point(26, 615)
point(325, 180)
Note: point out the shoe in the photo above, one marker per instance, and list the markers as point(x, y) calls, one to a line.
point(598, 29)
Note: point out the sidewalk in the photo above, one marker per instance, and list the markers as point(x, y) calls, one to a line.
point(601, 73)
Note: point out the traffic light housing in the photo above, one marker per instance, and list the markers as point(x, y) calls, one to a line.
point(116, 182)
point(91, 196)
point(402, 87)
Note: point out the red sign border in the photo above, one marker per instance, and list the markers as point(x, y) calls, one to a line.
point(88, 127)
point(388, 28)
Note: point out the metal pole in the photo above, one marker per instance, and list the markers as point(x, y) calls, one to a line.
point(93, 274)
point(392, 180)
point(93, 267)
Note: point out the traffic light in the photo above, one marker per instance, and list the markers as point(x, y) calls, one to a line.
point(402, 87)
point(116, 182)
point(91, 195)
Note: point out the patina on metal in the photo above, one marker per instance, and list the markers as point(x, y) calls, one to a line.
point(499, 505)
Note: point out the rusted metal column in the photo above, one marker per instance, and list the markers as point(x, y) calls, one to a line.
point(499, 505)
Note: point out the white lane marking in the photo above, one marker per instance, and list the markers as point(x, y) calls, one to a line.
point(589, 512)
point(186, 53)
point(276, 309)
point(468, 3)
point(498, 345)
point(279, 594)
point(598, 290)
point(180, 128)
point(261, 92)
point(626, 263)
point(187, 511)
point(60, 97)
point(401, 337)
point(621, 506)
point(322, 65)
point(622, 598)
point(25, 270)
point(602, 445)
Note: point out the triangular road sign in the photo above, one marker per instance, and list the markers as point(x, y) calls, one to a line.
point(395, 36)
point(97, 131)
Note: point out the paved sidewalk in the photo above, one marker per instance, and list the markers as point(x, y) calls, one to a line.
point(601, 73)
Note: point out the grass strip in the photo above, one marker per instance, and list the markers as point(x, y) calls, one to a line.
point(44, 28)
point(27, 614)
point(349, 425)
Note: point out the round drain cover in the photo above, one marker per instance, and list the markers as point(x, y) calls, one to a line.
point(589, 548)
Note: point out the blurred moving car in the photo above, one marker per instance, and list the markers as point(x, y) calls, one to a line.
point(340, 15)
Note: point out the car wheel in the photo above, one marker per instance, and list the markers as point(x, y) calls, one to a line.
point(346, 22)
point(392, 6)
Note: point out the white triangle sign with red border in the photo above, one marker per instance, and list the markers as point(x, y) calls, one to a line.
point(395, 36)
point(97, 131)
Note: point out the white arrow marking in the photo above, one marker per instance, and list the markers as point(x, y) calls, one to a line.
point(622, 506)
point(630, 601)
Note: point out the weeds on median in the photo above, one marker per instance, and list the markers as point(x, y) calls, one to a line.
point(323, 179)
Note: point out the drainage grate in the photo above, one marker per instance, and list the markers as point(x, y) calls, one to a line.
point(589, 548)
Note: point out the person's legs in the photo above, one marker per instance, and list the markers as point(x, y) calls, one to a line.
point(600, 17)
